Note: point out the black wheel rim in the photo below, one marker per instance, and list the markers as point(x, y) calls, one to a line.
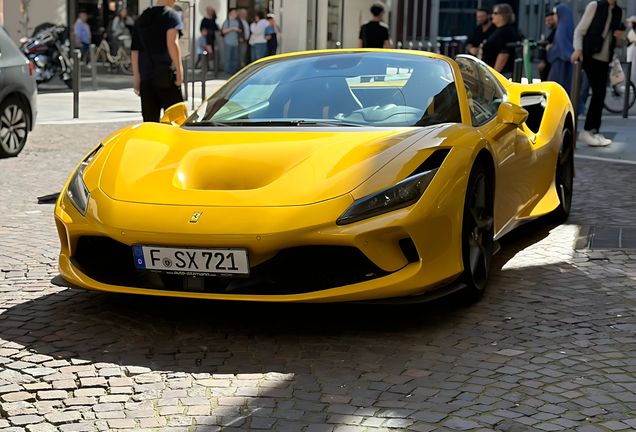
point(565, 172)
point(479, 231)
point(13, 128)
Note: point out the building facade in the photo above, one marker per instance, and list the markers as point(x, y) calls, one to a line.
point(315, 24)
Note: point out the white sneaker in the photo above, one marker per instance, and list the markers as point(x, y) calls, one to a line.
point(590, 139)
point(604, 141)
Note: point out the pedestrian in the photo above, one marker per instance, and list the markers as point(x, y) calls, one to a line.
point(482, 32)
point(231, 33)
point(121, 28)
point(257, 40)
point(544, 65)
point(271, 34)
point(496, 52)
point(83, 36)
point(631, 49)
point(375, 33)
point(561, 51)
point(156, 59)
point(594, 41)
point(244, 55)
point(209, 23)
point(202, 46)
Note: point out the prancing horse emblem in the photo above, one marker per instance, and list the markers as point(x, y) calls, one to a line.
point(195, 217)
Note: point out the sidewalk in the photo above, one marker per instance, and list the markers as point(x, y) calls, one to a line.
point(621, 131)
point(104, 105)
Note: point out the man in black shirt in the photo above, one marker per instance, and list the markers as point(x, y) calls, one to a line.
point(482, 32)
point(156, 59)
point(375, 34)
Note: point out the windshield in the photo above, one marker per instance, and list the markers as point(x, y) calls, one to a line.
point(383, 89)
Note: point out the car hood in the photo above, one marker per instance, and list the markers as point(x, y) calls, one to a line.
point(161, 164)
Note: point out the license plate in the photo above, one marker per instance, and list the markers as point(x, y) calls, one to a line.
point(192, 261)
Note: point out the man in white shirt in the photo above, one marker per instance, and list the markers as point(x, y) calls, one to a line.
point(243, 60)
point(258, 41)
point(594, 40)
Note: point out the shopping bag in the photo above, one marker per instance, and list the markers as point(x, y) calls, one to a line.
point(616, 72)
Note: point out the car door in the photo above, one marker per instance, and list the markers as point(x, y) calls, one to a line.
point(513, 151)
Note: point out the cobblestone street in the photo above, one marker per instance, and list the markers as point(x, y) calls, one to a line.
point(550, 347)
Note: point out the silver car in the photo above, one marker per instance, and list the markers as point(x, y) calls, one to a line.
point(18, 97)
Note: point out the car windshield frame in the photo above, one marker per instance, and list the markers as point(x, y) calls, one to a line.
point(365, 88)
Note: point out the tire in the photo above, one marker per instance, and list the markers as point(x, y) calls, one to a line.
point(477, 233)
point(564, 177)
point(614, 98)
point(14, 126)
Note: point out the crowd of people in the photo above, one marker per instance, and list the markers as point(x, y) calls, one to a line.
point(591, 42)
point(243, 41)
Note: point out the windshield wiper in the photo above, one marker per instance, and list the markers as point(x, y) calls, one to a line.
point(326, 123)
point(208, 123)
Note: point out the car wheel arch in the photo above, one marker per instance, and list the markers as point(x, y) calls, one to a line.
point(24, 100)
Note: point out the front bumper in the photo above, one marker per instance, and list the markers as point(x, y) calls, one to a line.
point(369, 260)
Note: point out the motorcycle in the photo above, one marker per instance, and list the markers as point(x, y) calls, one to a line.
point(49, 52)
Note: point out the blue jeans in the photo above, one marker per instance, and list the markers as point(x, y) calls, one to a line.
point(231, 63)
point(258, 51)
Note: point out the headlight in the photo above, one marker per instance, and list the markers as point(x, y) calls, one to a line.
point(401, 195)
point(77, 191)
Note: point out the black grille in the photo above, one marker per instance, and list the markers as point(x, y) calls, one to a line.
point(292, 271)
point(409, 250)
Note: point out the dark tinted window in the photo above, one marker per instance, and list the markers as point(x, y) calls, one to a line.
point(482, 88)
point(370, 89)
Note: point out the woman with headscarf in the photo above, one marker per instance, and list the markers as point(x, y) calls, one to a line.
point(562, 48)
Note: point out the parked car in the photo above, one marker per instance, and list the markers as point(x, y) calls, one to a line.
point(18, 97)
point(324, 176)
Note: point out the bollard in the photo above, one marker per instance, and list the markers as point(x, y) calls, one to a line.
point(575, 91)
point(420, 45)
point(628, 86)
point(77, 75)
point(399, 45)
point(204, 73)
point(185, 78)
point(517, 70)
point(410, 45)
point(216, 64)
point(93, 66)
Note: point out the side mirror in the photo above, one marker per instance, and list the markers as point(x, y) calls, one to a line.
point(511, 114)
point(177, 114)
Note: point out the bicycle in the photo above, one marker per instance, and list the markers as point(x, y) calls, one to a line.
point(615, 96)
point(121, 59)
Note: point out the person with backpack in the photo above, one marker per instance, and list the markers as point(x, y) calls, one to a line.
point(156, 59)
point(375, 34)
point(594, 40)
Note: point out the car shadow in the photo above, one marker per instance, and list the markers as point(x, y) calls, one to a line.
point(193, 335)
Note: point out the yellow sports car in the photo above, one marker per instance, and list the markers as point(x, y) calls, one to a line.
point(325, 176)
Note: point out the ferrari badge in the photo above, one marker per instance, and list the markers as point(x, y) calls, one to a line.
point(195, 217)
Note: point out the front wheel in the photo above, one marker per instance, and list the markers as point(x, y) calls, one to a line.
point(564, 177)
point(477, 233)
point(14, 126)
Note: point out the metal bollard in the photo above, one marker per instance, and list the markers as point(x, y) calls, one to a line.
point(410, 45)
point(399, 45)
point(77, 76)
point(93, 66)
point(575, 91)
point(517, 70)
point(420, 45)
point(204, 73)
point(184, 66)
point(216, 64)
point(628, 81)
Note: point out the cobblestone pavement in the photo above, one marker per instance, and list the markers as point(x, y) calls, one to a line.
point(550, 347)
